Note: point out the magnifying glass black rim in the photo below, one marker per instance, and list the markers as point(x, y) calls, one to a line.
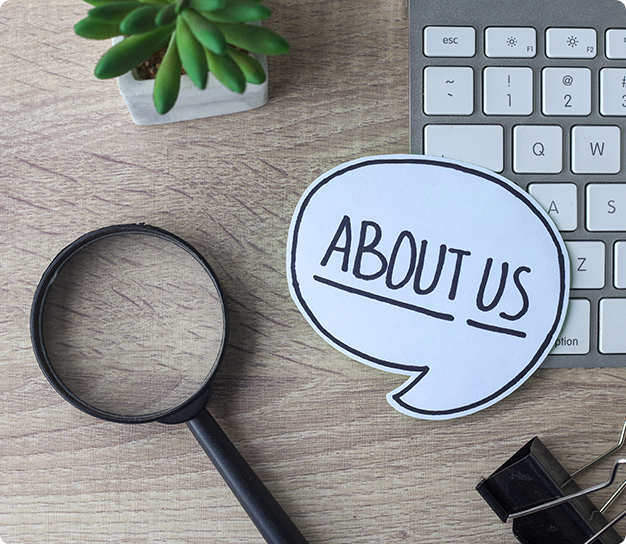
point(179, 413)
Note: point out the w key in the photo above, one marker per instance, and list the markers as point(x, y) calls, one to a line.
point(596, 149)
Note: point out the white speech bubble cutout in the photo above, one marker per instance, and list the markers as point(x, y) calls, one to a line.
point(432, 268)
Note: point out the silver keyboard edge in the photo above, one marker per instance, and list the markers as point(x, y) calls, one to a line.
point(482, 14)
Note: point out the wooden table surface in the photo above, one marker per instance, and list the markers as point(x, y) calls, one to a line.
point(312, 423)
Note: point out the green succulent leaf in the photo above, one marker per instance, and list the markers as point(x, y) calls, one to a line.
point(97, 3)
point(205, 32)
point(113, 12)
point(239, 11)
point(255, 38)
point(96, 30)
point(167, 81)
point(166, 15)
point(131, 51)
point(191, 54)
point(208, 36)
point(207, 5)
point(140, 20)
point(227, 71)
point(251, 68)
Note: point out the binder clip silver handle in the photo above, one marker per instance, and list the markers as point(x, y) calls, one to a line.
point(581, 493)
point(544, 501)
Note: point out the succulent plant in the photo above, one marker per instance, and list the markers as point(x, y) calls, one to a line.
point(200, 36)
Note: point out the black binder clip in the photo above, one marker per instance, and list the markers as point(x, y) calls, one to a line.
point(546, 504)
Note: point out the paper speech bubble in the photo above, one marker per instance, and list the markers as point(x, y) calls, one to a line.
point(432, 268)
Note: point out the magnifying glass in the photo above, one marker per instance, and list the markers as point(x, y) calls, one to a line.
point(129, 325)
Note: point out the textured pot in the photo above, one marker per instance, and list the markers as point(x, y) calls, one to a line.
point(192, 103)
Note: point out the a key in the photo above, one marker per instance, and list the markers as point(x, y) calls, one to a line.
point(619, 265)
point(477, 144)
point(507, 91)
point(449, 41)
point(510, 42)
point(571, 43)
point(596, 149)
point(574, 336)
point(613, 91)
point(616, 43)
point(566, 91)
point(606, 207)
point(559, 200)
point(537, 149)
point(448, 90)
point(612, 316)
point(586, 264)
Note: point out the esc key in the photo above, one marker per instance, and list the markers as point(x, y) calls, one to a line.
point(449, 41)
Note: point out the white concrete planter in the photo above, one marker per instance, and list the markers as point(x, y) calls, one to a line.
point(192, 103)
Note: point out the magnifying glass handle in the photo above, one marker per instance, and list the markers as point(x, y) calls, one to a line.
point(263, 509)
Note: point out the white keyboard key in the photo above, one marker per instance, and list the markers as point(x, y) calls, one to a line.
point(482, 145)
point(559, 200)
point(596, 149)
point(611, 337)
point(510, 42)
point(571, 43)
point(606, 207)
point(619, 268)
point(508, 91)
point(586, 264)
point(616, 43)
point(574, 336)
point(449, 41)
point(537, 149)
point(448, 90)
point(613, 91)
point(566, 91)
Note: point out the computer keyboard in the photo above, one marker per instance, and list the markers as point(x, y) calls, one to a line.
point(536, 91)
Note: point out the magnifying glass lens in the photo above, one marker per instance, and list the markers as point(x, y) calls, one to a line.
point(128, 324)
point(133, 325)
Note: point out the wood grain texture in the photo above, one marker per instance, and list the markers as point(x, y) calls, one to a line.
point(313, 424)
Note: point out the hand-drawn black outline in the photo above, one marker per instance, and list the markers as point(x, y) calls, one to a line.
point(419, 372)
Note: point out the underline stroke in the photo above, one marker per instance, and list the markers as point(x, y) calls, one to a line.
point(418, 309)
point(494, 328)
point(386, 300)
